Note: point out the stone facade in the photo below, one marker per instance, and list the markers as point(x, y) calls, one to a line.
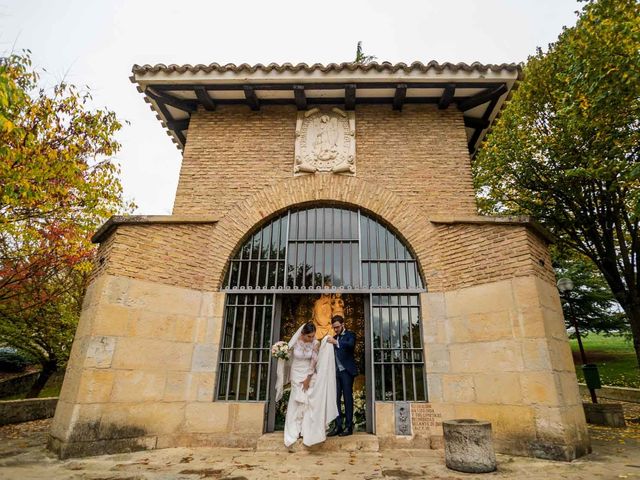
point(142, 373)
point(499, 351)
point(144, 361)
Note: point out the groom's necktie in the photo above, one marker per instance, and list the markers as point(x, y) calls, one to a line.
point(340, 367)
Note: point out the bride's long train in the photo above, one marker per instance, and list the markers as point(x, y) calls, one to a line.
point(309, 413)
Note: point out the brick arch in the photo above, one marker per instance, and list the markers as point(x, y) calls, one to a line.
point(236, 226)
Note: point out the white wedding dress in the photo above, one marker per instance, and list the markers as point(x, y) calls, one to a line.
point(308, 413)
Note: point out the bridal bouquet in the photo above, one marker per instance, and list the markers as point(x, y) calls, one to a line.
point(280, 350)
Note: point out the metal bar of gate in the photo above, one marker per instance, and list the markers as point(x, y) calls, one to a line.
point(231, 353)
point(259, 353)
point(275, 332)
point(304, 264)
point(368, 366)
point(413, 367)
point(404, 382)
point(259, 252)
point(253, 330)
point(244, 323)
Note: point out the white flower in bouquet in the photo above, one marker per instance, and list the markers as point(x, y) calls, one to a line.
point(280, 350)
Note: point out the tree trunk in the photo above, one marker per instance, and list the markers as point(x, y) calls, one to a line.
point(633, 313)
point(48, 369)
point(630, 303)
point(628, 298)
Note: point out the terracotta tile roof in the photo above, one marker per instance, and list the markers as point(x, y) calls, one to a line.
point(331, 67)
point(486, 87)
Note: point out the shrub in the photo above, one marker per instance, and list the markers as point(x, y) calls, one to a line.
point(12, 361)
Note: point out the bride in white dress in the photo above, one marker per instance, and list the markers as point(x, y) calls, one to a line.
point(311, 370)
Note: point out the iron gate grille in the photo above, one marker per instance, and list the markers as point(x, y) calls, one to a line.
point(245, 356)
point(321, 249)
point(261, 262)
point(398, 360)
point(386, 262)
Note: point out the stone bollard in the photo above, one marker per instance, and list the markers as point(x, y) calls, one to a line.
point(468, 446)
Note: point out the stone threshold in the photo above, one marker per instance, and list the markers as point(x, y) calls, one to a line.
point(363, 442)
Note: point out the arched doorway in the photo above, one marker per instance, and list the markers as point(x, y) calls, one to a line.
point(305, 252)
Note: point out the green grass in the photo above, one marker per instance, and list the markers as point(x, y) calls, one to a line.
point(615, 357)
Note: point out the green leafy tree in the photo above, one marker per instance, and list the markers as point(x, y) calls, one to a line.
point(58, 184)
point(566, 148)
point(594, 307)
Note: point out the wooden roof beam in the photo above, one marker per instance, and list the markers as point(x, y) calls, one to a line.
point(301, 98)
point(178, 125)
point(251, 97)
point(174, 102)
point(480, 123)
point(350, 96)
point(400, 96)
point(205, 99)
point(482, 97)
point(447, 96)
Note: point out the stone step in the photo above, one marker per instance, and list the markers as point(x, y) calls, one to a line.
point(364, 442)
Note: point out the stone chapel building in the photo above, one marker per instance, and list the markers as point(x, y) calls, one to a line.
point(298, 180)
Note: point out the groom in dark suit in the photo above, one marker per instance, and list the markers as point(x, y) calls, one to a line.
point(344, 344)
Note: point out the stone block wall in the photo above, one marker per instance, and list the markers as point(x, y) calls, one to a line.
point(499, 352)
point(27, 410)
point(18, 384)
point(142, 373)
point(495, 343)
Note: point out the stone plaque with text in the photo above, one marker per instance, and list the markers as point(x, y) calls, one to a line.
point(424, 419)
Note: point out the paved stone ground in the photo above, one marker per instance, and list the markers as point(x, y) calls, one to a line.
point(23, 456)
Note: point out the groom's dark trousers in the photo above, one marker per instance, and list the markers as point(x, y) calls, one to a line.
point(344, 378)
point(344, 387)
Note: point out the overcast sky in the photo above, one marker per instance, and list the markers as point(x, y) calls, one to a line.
point(95, 43)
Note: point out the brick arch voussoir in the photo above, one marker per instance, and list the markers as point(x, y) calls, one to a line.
point(236, 226)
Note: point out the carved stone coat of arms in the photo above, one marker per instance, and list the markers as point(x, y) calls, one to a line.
point(325, 142)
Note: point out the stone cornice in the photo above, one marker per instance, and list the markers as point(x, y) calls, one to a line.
point(134, 220)
point(516, 220)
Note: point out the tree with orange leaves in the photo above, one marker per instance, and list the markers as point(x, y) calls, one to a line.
point(58, 184)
